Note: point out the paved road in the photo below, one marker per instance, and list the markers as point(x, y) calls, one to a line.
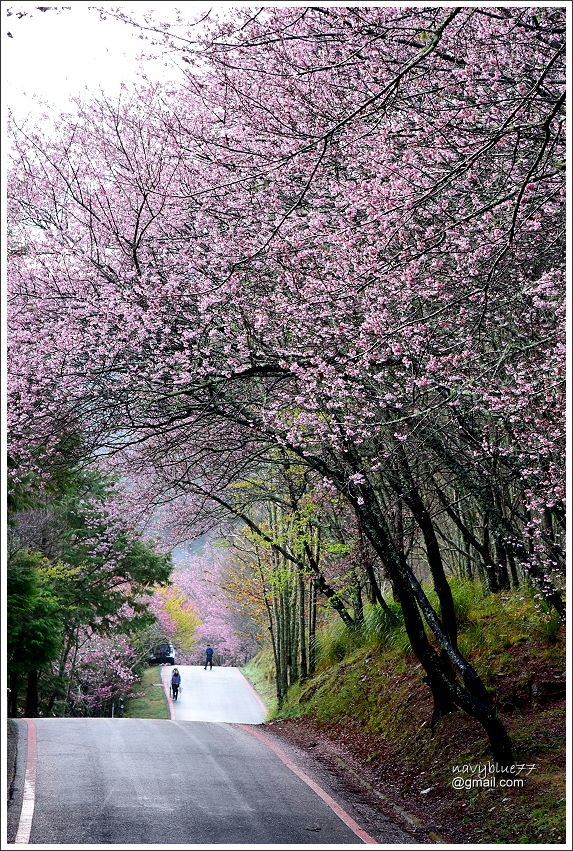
point(122, 781)
point(140, 782)
point(221, 694)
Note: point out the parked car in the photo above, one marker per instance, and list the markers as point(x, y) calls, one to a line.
point(164, 652)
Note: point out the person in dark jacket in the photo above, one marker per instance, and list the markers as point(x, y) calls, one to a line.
point(209, 657)
point(175, 682)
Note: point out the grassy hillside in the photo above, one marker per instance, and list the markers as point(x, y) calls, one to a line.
point(368, 697)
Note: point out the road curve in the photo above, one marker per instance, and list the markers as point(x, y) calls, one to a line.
point(144, 782)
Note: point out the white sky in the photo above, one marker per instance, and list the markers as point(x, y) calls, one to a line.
point(55, 55)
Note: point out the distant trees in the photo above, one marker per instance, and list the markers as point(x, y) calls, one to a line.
point(273, 555)
point(78, 579)
point(182, 614)
point(200, 579)
point(341, 241)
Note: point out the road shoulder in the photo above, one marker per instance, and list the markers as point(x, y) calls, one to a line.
point(350, 785)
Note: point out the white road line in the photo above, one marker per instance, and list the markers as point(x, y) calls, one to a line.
point(29, 798)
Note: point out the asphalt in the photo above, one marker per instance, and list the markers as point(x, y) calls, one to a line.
point(130, 781)
point(11, 754)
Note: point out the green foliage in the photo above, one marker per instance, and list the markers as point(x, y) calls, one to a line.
point(90, 595)
point(183, 614)
point(334, 548)
point(260, 671)
point(34, 622)
point(96, 568)
point(547, 622)
point(492, 627)
point(380, 627)
point(466, 595)
point(92, 578)
point(550, 626)
point(518, 615)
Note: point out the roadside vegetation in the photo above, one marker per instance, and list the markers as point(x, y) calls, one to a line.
point(368, 697)
point(80, 582)
point(150, 700)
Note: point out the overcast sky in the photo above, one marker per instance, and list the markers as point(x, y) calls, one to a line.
point(54, 55)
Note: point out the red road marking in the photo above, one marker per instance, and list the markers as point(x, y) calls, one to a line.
point(330, 802)
point(168, 694)
point(29, 797)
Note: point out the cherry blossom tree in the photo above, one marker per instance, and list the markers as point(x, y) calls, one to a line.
point(102, 676)
point(341, 237)
point(200, 578)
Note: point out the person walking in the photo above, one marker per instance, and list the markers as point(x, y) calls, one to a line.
point(175, 683)
point(209, 657)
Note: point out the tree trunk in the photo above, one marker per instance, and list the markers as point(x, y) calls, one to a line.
point(302, 628)
point(281, 675)
point(293, 624)
point(31, 709)
point(14, 686)
point(312, 628)
point(472, 696)
point(501, 557)
point(375, 592)
point(422, 516)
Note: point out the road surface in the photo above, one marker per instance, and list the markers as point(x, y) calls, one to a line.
point(219, 694)
point(188, 781)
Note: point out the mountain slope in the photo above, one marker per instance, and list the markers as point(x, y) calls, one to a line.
point(368, 715)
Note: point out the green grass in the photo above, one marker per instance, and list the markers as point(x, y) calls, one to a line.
point(368, 679)
point(496, 632)
point(260, 673)
point(153, 703)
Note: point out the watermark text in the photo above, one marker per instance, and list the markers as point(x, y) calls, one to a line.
point(490, 775)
